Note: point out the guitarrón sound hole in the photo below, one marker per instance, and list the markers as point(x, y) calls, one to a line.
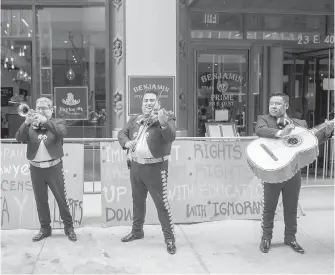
point(293, 141)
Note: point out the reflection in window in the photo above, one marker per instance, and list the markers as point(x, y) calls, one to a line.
point(222, 89)
point(71, 52)
point(16, 76)
point(214, 25)
point(17, 23)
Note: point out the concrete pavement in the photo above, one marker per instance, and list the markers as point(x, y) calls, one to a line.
point(207, 248)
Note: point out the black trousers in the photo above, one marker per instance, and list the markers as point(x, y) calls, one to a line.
point(53, 177)
point(290, 196)
point(152, 178)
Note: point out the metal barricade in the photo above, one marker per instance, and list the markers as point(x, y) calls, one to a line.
point(325, 170)
point(92, 176)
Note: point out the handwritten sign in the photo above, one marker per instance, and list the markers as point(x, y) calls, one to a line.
point(139, 84)
point(208, 181)
point(71, 103)
point(18, 206)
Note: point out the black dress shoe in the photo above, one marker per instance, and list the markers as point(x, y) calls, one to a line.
point(295, 246)
point(70, 233)
point(265, 246)
point(171, 247)
point(132, 237)
point(41, 235)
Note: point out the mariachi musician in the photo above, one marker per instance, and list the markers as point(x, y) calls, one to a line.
point(148, 138)
point(44, 137)
point(278, 125)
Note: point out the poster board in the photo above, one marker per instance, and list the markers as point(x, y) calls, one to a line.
point(220, 129)
point(208, 181)
point(18, 206)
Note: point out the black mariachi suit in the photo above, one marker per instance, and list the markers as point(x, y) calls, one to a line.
point(53, 134)
point(267, 128)
point(151, 177)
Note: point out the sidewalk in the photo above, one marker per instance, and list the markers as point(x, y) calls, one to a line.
point(206, 248)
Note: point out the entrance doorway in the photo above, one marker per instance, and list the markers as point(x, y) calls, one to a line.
point(306, 75)
point(221, 89)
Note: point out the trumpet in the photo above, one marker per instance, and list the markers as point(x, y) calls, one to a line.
point(24, 110)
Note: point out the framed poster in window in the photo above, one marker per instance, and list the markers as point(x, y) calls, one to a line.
point(71, 102)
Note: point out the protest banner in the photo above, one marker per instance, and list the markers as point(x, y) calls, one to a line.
point(18, 207)
point(208, 181)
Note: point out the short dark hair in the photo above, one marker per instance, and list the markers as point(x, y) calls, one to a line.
point(155, 92)
point(282, 95)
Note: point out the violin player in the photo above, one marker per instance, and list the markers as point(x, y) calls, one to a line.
point(148, 138)
point(44, 138)
point(278, 125)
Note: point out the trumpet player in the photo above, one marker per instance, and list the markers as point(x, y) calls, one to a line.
point(149, 138)
point(44, 137)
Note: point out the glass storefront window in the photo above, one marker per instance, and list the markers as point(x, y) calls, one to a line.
point(285, 27)
point(304, 74)
point(222, 79)
point(70, 55)
point(16, 23)
point(16, 66)
point(216, 25)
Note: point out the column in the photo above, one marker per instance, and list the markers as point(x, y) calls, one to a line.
point(115, 88)
point(276, 70)
point(151, 48)
point(182, 71)
point(92, 75)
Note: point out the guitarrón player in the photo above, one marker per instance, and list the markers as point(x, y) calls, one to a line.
point(275, 125)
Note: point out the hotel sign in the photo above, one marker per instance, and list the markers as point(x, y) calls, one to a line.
point(137, 85)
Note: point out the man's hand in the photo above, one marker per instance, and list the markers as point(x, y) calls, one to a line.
point(329, 127)
point(162, 117)
point(130, 144)
point(40, 118)
point(287, 130)
point(29, 119)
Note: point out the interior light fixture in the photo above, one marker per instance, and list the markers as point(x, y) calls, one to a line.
point(70, 74)
point(25, 22)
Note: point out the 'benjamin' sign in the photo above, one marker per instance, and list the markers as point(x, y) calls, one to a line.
point(139, 84)
point(222, 76)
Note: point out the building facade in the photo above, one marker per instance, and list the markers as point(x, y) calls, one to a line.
point(212, 60)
